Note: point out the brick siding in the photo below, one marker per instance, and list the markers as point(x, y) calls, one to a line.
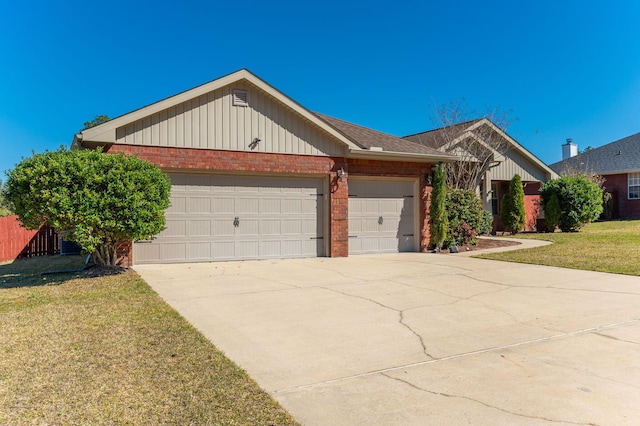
point(623, 208)
point(189, 159)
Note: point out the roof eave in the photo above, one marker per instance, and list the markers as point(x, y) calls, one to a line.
point(366, 154)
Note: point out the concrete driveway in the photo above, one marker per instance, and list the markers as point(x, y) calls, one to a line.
point(421, 339)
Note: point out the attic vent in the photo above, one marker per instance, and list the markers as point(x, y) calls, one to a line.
point(240, 97)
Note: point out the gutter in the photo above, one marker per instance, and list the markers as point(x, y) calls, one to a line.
point(366, 154)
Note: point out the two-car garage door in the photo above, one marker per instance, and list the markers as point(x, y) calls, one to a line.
point(214, 217)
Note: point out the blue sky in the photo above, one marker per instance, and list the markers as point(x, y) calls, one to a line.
point(565, 68)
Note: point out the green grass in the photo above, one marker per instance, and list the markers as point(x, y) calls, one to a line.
point(78, 349)
point(603, 246)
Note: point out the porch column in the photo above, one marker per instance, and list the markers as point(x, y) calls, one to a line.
point(486, 191)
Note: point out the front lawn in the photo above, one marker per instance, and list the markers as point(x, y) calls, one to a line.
point(602, 246)
point(84, 349)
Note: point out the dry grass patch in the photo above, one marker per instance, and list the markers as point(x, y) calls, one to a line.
point(108, 350)
point(603, 246)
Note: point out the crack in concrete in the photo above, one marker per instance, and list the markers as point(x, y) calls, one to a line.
point(616, 338)
point(399, 311)
point(461, 355)
point(424, 346)
point(482, 403)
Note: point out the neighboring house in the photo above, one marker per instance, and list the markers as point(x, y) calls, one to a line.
point(502, 158)
point(255, 175)
point(619, 163)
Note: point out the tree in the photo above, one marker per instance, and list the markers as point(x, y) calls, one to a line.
point(104, 200)
point(579, 197)
point(513, 214)
point(5, 206)
point(477, 148)
point(437, 210)
point(98, 120)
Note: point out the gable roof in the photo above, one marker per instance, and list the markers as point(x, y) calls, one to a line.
point(372, 139)
point(621, 156)
point(451, 135)
point(358, 140)
point(436, 138)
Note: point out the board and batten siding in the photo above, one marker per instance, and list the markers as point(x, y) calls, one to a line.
point(516, 163)
point(211, 121)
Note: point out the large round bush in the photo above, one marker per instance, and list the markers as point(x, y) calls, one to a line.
point(580, 200)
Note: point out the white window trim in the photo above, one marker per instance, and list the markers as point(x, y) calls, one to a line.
point(633, 180)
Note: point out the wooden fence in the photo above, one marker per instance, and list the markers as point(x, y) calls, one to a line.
point(17, 242)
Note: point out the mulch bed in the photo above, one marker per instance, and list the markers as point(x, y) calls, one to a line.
point(485, 243)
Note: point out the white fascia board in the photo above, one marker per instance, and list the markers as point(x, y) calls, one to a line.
point(106, 132)
point(366, 154)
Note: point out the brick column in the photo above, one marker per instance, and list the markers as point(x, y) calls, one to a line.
point(339, 211)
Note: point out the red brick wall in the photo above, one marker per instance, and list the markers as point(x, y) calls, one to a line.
point(625, 208)
point(173, 159)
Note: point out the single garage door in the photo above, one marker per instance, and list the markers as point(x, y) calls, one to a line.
point(215, 217)
point(381, 216)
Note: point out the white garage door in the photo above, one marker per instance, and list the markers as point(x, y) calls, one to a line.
point(215, 217)
point(381, 216)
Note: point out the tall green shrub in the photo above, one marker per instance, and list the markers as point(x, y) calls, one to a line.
point(466, 217)
point(552, 213)
point(512, 214)
point(104, 200)
point(437, 211)
point(579, 197)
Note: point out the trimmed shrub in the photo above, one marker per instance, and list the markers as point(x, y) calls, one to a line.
point(512, 214)
point(466, 217)
point(104, 200)
point(552, 213)
point(579, 197)
point(437, 211)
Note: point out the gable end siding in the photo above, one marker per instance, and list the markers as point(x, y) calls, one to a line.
point(211, 121)
point(516, 163)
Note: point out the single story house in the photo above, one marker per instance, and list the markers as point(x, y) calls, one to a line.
point(502, 158)
point(619, 163)
point(255, 175)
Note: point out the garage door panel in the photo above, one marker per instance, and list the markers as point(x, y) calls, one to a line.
point(199, 250)
point(381, 216)
point(199, 228)
point(199, 205)
point(245, 205)
point(222, 227)
point(174, 252)
point(223, 250)
point(148, 251)
point(175, 228)
point(270, 205)
point(248, 249)
point(248, 227)
point(178, 206)
point(223, 205)
point(292, 227)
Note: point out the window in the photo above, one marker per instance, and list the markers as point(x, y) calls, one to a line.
point(495, 205)
point(634, 185)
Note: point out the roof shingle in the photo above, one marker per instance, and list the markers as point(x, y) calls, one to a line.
point(369, 138)
point(620, 156)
